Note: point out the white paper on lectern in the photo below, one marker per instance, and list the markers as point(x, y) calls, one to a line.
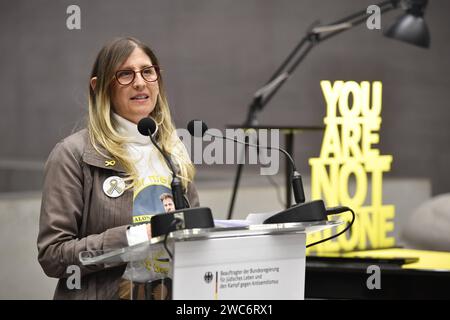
point(252, 219)
point(230, 223)
point(258, 218)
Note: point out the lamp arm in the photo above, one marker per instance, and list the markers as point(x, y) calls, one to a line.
point(266, 92)
point(312, 37)
point(257, 103)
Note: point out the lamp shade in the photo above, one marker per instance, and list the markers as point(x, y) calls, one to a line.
point(411, 29)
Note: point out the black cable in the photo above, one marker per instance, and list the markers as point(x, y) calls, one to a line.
point(177, 188)
point(174, 222)
point(165, 156)
point(331, 211)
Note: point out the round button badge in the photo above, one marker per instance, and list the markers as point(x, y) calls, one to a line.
point(114, 186)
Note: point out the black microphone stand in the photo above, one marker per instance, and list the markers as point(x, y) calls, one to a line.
point(183, 217)
point(176, 186)
point(315, 34)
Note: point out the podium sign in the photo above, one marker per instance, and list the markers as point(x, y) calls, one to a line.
point(258, 267)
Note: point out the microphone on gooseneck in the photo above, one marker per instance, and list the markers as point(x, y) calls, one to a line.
point(306, 212)
point(198, 128)
point(147, 127)
point(182, 217)
point(301, 211)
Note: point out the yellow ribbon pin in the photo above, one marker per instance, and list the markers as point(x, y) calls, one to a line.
point(109, 163)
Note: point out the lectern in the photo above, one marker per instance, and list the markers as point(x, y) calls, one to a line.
point(250, 262)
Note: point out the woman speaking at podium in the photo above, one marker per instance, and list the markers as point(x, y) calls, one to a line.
point(103, 183)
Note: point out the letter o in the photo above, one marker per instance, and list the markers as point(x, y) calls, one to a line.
point(356, 168)
point(350, 87)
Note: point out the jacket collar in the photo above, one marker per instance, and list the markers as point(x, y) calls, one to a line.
point(104, 160)
point(130, 130)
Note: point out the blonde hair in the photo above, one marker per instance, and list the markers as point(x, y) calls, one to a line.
point(102, 127)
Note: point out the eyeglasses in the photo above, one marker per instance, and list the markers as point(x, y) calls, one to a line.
point(149, 74)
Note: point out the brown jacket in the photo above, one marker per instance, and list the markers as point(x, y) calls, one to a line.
point(76, 215)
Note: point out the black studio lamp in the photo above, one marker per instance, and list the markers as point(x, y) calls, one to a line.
point(411, 26)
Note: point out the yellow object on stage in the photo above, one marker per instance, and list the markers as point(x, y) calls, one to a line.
point(429, 260)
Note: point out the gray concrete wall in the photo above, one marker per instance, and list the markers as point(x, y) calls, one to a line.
point(21, 276)
point(215, 55)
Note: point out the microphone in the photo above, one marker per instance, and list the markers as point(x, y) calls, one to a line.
point(198, 128)
point(182, 217)
point(300, 212)
point(147, 127)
